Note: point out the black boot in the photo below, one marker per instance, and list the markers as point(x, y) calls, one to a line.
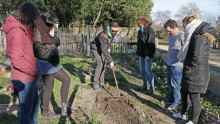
point(67, 110)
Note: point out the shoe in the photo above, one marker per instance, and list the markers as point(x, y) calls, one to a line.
point(143, 88)
point(180, 116)
point(102, 84)
point(96, 87)
point(48, 113)
point(150, 92)
point(189, 122)
point(172, 107)
point(67, 110)
point(166, 101)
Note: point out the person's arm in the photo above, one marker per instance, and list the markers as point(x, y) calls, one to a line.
point(104, 47)
point(45, 51)
point(41, 51)
point(151, 49)
point(17, 54)
point(199, 47)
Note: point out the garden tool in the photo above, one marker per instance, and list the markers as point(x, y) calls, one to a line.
point(118, 93)
point(116, 82)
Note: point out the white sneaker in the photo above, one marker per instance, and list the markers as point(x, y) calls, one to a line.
point(189, 122)
point(180, 116)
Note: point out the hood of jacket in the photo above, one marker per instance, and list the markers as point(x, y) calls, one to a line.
point(11, 23)
point(210, 32)
point(205, 27)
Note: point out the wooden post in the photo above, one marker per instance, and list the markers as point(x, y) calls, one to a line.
point(87, 40)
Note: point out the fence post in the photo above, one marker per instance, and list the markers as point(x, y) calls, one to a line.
point(4, 40)
point(87, 40)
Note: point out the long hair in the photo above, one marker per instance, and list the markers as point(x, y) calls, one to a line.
point(27, 14)
point(50, 18)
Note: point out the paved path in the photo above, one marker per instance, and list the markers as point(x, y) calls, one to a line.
point(214, 58)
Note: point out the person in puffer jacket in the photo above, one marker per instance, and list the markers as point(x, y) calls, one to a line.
point(24, 73)
point(196, 71)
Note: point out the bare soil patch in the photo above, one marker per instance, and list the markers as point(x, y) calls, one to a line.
point(109, 109)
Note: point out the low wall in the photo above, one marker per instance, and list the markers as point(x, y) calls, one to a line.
point(214, 83)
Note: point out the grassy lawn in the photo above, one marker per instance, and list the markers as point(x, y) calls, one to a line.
point(79, 67)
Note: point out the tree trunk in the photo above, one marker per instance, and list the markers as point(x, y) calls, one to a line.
point(99, 13)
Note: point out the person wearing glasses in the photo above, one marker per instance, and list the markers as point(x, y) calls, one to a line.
point(100, 48)
point(145, 51)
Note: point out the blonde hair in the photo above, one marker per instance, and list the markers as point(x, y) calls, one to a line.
point(192, 17)
point(142, 20)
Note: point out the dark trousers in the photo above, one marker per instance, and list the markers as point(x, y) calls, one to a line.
point(100, 67)
point(48, 80)
point(196, 106)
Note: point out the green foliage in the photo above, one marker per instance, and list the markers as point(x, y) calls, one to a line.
point(123, 11)
point(161, 33)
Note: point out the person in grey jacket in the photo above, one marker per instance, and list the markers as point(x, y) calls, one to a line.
point(174, 66)
point(100, 48)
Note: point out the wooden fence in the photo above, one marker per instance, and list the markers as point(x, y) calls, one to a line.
point(2, 39)
point(76, 43)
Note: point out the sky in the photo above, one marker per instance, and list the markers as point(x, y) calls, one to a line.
point(206, 6)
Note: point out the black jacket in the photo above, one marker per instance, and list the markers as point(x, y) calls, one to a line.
point(146, 42)
point(101, 43)
point(196, 70)
point(48, 52)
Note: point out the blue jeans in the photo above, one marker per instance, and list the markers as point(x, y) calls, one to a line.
point(174, 76)
point(145, 67)
point(29, 102)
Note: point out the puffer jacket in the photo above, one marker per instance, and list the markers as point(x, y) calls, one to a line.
point(196, 71)
point(146, 42)
point(20, 50)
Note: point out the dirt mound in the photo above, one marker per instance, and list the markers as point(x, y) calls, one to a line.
point(121, 109)
point(109, 109)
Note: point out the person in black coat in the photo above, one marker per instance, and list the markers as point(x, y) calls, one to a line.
point(145, 51)
point(196, 71)
point(100, 49)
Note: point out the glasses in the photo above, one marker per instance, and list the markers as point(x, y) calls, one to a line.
point(114, 31)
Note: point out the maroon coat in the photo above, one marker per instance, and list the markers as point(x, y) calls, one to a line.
point(20, 50)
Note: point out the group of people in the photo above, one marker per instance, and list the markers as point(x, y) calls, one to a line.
point(188, 71)
point(32, 50)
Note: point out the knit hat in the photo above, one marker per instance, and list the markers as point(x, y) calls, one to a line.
point(106, 29)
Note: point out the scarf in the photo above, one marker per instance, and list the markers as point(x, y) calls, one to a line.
point(44, 31)
point(190, 28)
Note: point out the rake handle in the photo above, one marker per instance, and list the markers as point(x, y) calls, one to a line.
point(116, 82)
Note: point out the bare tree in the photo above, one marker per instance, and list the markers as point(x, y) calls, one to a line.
point(188, 9)
point(160, 17)
point(98, 15)
point(210, 18)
